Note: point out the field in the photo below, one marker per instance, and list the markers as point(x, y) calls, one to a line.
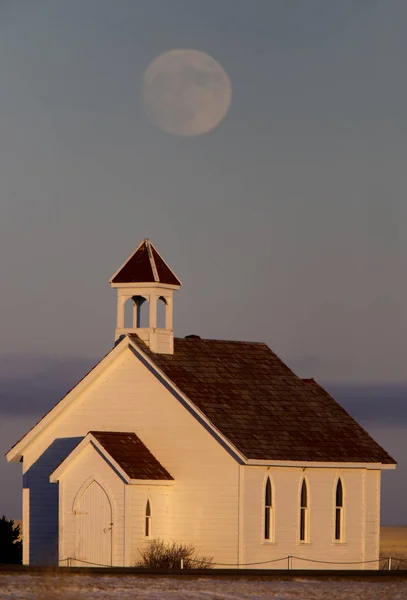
point(108, 587)
point(393, 542)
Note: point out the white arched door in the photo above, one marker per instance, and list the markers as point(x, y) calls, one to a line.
point(94, 527)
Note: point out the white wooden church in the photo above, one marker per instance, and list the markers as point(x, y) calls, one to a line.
point(209, 442)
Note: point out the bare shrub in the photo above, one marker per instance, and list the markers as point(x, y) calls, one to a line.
point(162, 555)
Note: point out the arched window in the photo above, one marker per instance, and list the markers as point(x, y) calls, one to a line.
point(339, 511)
point(268, 511)
point(147, 530)
point(304, 512)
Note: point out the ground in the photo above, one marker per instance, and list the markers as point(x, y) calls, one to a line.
point(127, 587)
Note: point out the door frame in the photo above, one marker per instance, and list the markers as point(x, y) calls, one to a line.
point(85, 485)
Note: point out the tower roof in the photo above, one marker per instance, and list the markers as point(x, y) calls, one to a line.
point(145, 265)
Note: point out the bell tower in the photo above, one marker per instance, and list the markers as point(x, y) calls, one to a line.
point(146, 277)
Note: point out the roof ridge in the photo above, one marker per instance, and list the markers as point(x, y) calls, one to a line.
point(92, 431)
point(127, 260)
point(225, 341)
point(152, 260)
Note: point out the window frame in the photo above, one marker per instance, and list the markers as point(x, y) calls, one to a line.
point(148, 520)
point(304, 528)
point(268, 510)
point(339, 511)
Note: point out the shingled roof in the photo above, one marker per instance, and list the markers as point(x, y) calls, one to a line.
point(145, 265)
point(261, 406)
point(131, 454)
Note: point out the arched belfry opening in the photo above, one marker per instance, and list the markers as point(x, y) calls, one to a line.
point(145, 285)
point(141, 312)
point(136, 312)
point(161, 312)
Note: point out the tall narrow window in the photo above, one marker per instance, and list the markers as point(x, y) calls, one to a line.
point(268, 511)
point(339, 511)
point(303, 512)
point(147, 531)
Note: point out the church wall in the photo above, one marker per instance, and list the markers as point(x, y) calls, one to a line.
point(202, 507)
point(372, 531)
point(159, 498)
point(127, 397)
point(86, 467)
point(360, 516)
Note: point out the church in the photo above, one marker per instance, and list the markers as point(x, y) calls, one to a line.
point(207, 442)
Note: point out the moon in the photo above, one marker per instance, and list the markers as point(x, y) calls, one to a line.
point(186, 92)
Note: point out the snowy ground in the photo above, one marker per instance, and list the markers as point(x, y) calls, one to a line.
point(103, 587)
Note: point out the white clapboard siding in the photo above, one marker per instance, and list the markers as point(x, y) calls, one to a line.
point(159, 498)
point(210, 488)
point(127, 397)
point(372, 531)
point(89, 468)
point(321, 546)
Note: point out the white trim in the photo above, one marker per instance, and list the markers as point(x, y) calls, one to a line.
point(152, 261)
point(341, 539)
point(89, 439)
point(317, 465)
point(241, 522)
point(61, 524)
point(378, 501)
point(148, 519)
point(271, 510)
point(306, 509)
point(16, 452)
point(146, 284)
point(154, 482)
point(363, 521)
point(166, 264)
point(26, 525)
point(127, 526)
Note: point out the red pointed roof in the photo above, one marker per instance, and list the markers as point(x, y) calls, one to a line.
point(131, 454)
point(145, 265)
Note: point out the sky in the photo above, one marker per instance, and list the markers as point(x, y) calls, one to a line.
point(286, 223)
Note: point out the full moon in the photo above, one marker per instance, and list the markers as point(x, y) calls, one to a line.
point(186, 92)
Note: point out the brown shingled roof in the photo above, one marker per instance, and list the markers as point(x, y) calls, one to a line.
point(261, 406)
point(145, 265)
point(131, 454)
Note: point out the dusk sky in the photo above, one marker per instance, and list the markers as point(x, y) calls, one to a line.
point(286, 223)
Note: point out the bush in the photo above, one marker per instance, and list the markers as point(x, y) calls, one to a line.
point(161, 555)
point(10, 545)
